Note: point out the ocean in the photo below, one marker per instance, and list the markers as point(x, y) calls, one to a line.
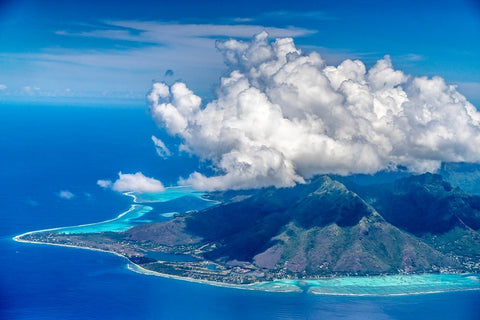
point(47, 149)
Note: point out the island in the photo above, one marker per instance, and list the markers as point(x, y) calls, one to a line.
point(327, 228)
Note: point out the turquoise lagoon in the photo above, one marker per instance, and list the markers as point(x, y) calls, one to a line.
point(123, 222)
point(170, 193)
point(134, 216)
point(54, 148)
point(377, 285)
point(179, 197)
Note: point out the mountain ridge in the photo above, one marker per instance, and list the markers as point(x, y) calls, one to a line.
point(324, 228)
point(327, 227)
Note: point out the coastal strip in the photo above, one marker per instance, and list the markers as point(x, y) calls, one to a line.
point(139, 269)
point(286, 285)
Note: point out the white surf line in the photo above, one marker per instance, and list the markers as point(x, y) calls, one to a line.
point(17, 238)
point(139, 269)
point(132, 207)
point(253, 286)
point(390, 294)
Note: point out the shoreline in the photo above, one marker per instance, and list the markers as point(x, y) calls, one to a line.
point(132, 207)
point(293, 288)
point(140, 269)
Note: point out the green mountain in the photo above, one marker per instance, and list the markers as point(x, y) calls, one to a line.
point(415, 224)
point(427, 206)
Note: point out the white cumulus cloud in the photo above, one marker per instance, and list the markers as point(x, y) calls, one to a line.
point(65, 194)
point(161, 148)
point(3, 87)
point(281, 116)
point(135, 182)
point(104, 183)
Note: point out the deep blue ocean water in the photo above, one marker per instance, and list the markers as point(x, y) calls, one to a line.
point(46, 149)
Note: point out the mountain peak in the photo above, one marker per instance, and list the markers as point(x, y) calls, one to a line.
point(322, 228)
point(423, 204)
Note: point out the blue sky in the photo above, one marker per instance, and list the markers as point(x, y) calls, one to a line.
point(109, 52)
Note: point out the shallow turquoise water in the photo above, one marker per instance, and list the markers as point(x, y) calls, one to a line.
point(378, 285)
point(123, 222)
point(170, 193)
point(133, 216)
point(355, 286)
point(48, 282)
